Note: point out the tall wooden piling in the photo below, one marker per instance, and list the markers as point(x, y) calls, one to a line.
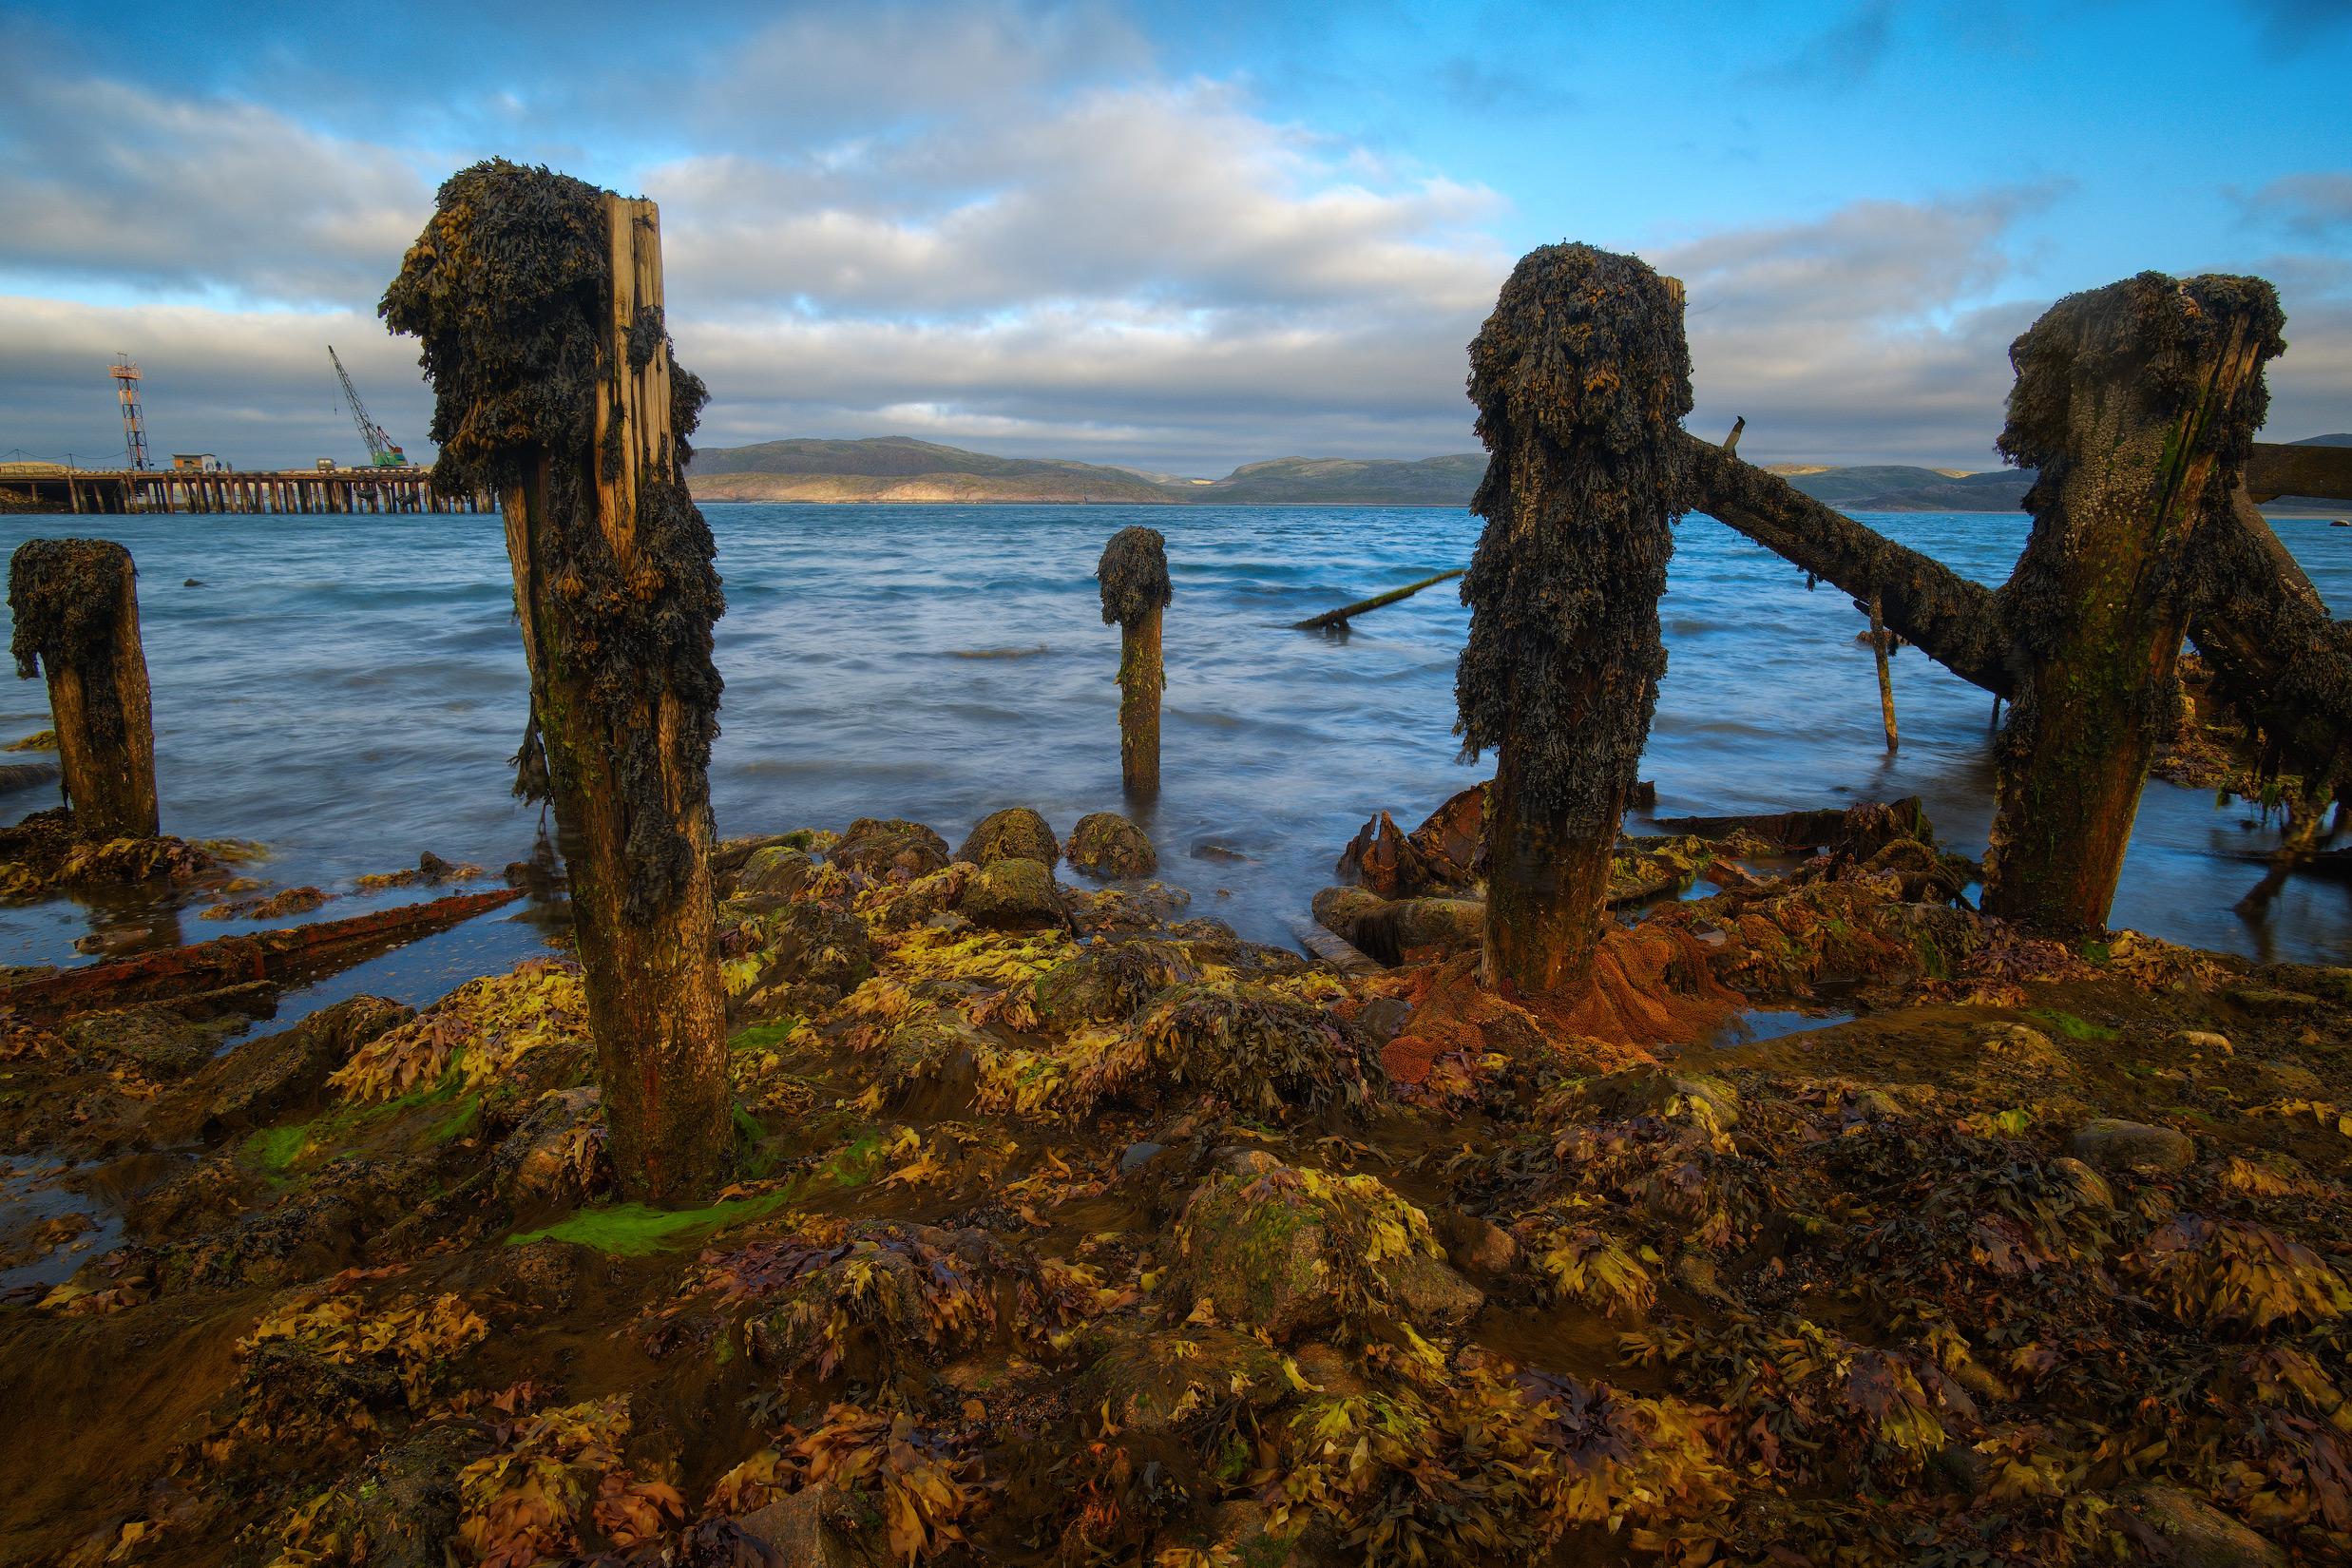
point(1134, 574)
point(1581, 377)
point(2138, 403)
point(1886, 679)
point(76, 604)
point(539, 299)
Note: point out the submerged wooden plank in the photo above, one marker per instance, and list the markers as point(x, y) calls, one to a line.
point(230, 960)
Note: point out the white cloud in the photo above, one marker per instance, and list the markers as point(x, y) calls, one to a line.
point(1858, 337)
point(105, 182)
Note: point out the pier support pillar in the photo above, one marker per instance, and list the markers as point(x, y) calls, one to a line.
point(76, 604)
point(1581, 377)
point(1134, 574)
point(2138, 403)
point(539, 299)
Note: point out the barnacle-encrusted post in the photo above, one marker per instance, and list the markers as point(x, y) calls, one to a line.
point(1582, 378)
point(2138, 403)
point(76, 604)
point(1134, 572)
point(539, 300)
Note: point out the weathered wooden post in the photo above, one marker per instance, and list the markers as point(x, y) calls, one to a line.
point(76, 604)
point(1886, 679)
point(2138, 403)
point(1582, 378)
point(539, 300)
point(1134, 573)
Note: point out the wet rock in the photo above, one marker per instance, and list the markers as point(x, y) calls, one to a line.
point(201, 1199)
point(1113, 910)
point(2288, 1080)
point(1110, 981)
point(1136, 1155)
point(1011, 895)
point(800, 946)
point(1014, 833)
point(780, 869)
point(1653, 1091)
point(1473, 1244)
point(2186, 1532)
point(1284, 1251)
point(400, 1509)
point(2263, 1002)
point(2089, 1188)
point(1338, 908)
point(556, 1157)
point(156, 1040)
point(1153, 1382)
point(1430, 1293)
point(277, 1075)
point(1107, 845)
point(2114, 1145)
point(2202, 1040)
point(804, 1531)
point(878, 845)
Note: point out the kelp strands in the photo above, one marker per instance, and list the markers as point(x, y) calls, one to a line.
point(539, 300)
point(1134, 574)
point(1581, 377)
point(2138, 403)
point(76, 604)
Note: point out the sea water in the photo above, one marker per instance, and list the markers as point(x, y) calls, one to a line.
point(349, 690)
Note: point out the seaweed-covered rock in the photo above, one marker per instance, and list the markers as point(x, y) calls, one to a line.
point(1262, 1049)
point(1284, 1250)
point(158, 1040)
point(1110, 909)
point(878, 845)
point(1109, 981)
point(1637, 1091)
point(1011, 895)
point(803, 1531)
point(557, 1156)
point(398, 1510)
point(1014, 833)
point(1389, 928)
point(1105, 844)
point(791, 952)
point(2187, 1532)
point(1151, 1382)
point(2115, 1145)
point(265, 1078)
point(783, 869)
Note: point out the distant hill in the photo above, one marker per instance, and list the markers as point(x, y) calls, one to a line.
point(1345, 482)
point(2312, 503)
point(897, 468)
point(1902, 489)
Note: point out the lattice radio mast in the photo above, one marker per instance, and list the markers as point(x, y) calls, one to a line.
point(134, 428)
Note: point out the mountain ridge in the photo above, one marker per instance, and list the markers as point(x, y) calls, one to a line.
point(902, 469)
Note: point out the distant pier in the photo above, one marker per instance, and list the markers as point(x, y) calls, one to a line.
point(54, 487)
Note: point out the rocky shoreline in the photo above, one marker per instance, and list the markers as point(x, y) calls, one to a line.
point(1069, 1228)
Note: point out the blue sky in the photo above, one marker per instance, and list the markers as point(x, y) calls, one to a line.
point(1174, 238)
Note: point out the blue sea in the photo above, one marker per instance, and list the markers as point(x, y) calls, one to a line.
point(349, 691)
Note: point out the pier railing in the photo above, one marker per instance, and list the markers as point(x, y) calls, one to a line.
point(46, 488)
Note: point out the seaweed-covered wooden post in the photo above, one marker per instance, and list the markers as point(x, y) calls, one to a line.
point(76, 604)
point(1582, 378)
point(2138, 403)
point(539, 300)
point(1134, 573)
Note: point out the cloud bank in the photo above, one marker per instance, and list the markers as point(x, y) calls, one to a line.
point(1009, 233)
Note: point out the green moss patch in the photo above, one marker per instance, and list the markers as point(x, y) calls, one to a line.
point(632, 1230)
